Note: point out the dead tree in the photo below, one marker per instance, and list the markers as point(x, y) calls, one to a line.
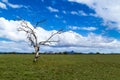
point(33, 39)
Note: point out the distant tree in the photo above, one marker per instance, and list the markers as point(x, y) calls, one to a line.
point(97, 53)
point(65, 52)
point(33, 39)
point(91, 53)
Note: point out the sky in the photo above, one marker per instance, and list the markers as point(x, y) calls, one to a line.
point(89, 25)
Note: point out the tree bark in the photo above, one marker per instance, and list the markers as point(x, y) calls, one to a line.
point(36, 53)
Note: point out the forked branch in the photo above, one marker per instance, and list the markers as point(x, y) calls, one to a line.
point(49, 39)
point(33, 39)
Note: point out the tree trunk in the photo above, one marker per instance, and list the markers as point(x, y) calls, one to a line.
point(36, 53)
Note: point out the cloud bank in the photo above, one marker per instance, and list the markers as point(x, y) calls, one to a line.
point(108, 10)
point(12, 40)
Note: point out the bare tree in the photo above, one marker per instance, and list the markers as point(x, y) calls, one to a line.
point(32, 37)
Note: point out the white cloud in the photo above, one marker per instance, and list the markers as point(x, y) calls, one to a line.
point(94, 41)
point(82, 28)
point(82, 13)
point(12, 5)
point(12, 46)
point(52, 9)
point(68, 40)
point(8, 29)
point(108, 10)
point(89, 28)
point(2, 5)
point(64, 12)
point(79, 13)
point(15, 5)
point(56, 16)
point(74, 13)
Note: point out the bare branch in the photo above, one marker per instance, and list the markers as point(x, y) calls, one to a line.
point(48, 40)
point(32, 37)
point(41, 21)
point(58, 32)
point(45, 42)
point(22, 29)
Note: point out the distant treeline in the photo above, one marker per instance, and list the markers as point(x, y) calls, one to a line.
point(55, 53)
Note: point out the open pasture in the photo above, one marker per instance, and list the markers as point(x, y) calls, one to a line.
point(59, 67)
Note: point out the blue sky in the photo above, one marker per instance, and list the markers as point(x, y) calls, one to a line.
point(94, 21)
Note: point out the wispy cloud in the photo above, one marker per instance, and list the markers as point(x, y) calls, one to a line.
point(74, 13)
point(12, 5)
point(52, 9)
point(82, 13)
point(64, 12)
point(89, 28)
point(82, 28)
point(79, 13)
point(2, 5)
point(56, 16)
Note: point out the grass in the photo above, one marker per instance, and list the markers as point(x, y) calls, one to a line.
point(59, 67)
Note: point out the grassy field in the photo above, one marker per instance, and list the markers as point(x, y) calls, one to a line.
point(59, 67)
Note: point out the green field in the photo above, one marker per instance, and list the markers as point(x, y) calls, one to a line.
point(59, 67)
